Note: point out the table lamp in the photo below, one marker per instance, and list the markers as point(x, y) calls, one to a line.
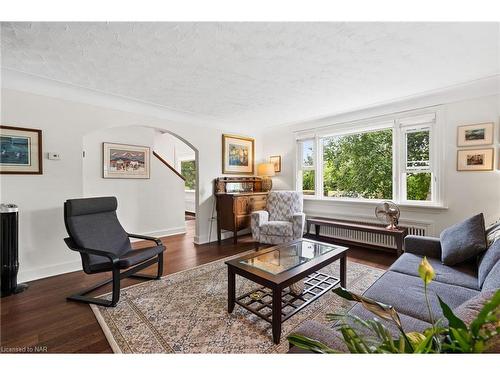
point(266, 170)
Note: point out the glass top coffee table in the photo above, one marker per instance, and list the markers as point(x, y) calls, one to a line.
point(277, 268)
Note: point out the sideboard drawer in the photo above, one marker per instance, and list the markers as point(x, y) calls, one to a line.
point(258, 204)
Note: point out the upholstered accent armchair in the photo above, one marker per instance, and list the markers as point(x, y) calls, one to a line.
point(95, 232)
point(282, 221)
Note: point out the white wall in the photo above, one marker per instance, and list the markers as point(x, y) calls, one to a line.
point(466, 193)
point(150, 206)
point(65, 124)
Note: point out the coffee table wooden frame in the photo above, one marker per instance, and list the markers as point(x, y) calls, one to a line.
point(283, 303)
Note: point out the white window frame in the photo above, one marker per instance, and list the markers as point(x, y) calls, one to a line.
point(400, 123)
point(403, 152)
point(301, 167)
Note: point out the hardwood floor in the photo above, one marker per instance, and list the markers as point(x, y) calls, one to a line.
point(41, 319)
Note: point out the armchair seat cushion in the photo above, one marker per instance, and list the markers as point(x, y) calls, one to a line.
point(277, 228)
point(129, 259)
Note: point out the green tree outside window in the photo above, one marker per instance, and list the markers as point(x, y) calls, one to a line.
point(188, 171)
point(358, 165)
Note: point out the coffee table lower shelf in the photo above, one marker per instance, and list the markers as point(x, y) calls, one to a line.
point(315, 285)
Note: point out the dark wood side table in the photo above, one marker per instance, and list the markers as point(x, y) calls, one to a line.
point(398, 234)
point(278, 267)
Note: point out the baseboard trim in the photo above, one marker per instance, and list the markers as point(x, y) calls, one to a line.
point(62, 268)
point(162, 233)
point(200, 240)
point(48, 271)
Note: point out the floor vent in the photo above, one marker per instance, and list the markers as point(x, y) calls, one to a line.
point(373, 239)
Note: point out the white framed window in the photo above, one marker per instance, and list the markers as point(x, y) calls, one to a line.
point(392, 157)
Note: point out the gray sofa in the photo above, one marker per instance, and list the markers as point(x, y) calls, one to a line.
point(402, 288)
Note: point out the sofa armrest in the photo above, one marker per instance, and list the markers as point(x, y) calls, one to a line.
point(423, 246)
point(257, 218)
point(298, 221)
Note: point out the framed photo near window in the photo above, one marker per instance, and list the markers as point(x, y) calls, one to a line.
point(475, 135)
point(125, 161)
point(475, 160)
point(276, 161)
point(237, 154)
point(21, 150)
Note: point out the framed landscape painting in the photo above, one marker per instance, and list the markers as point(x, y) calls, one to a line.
point(475, 160)
point(125, 161)
point(237, 154)
point(475, 135)
point(20, 150)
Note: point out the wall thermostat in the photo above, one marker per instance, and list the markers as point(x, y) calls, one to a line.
point(54, 156)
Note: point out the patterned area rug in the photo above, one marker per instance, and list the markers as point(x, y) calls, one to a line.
point(186, 312)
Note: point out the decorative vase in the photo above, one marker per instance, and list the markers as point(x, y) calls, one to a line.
point(267, 184)
point(297, 288)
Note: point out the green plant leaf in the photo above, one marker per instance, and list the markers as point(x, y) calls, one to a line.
point(382, 310)
point(415, 338)
point(453, 320)
point(306, 343)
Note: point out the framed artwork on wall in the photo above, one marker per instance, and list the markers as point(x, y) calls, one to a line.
point(276, 161)
point(475, 135)
point(475, 159)
point(21, 150)
point(237, 154)
point(125, 161)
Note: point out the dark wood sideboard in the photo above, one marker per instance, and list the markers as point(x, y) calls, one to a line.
point(236, 198)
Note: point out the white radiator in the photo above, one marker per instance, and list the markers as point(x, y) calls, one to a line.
point(374, 239)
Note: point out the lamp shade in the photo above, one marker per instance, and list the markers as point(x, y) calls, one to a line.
point(265, 169)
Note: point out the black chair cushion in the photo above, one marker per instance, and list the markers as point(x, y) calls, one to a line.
point(129, 259)
point(87, 206)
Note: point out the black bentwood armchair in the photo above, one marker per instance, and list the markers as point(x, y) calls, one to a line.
point(95, 232)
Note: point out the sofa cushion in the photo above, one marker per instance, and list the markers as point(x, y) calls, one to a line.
point(277, 228)
point(463, 275)
point(492, 281)
point(463, 241)
point(406, 294)
point(488, 261)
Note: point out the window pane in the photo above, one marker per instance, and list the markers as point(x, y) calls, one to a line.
point(358, 165)
point(308, 182)
point(188, 171)
point(417, 148)
point(418, 186)
point(308, 153)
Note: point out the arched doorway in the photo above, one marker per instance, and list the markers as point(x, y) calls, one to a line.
point(155, 206)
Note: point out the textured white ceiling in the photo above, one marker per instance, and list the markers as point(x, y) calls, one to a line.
point(255, 74)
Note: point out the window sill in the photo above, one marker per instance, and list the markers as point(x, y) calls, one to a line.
point(358, 202)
